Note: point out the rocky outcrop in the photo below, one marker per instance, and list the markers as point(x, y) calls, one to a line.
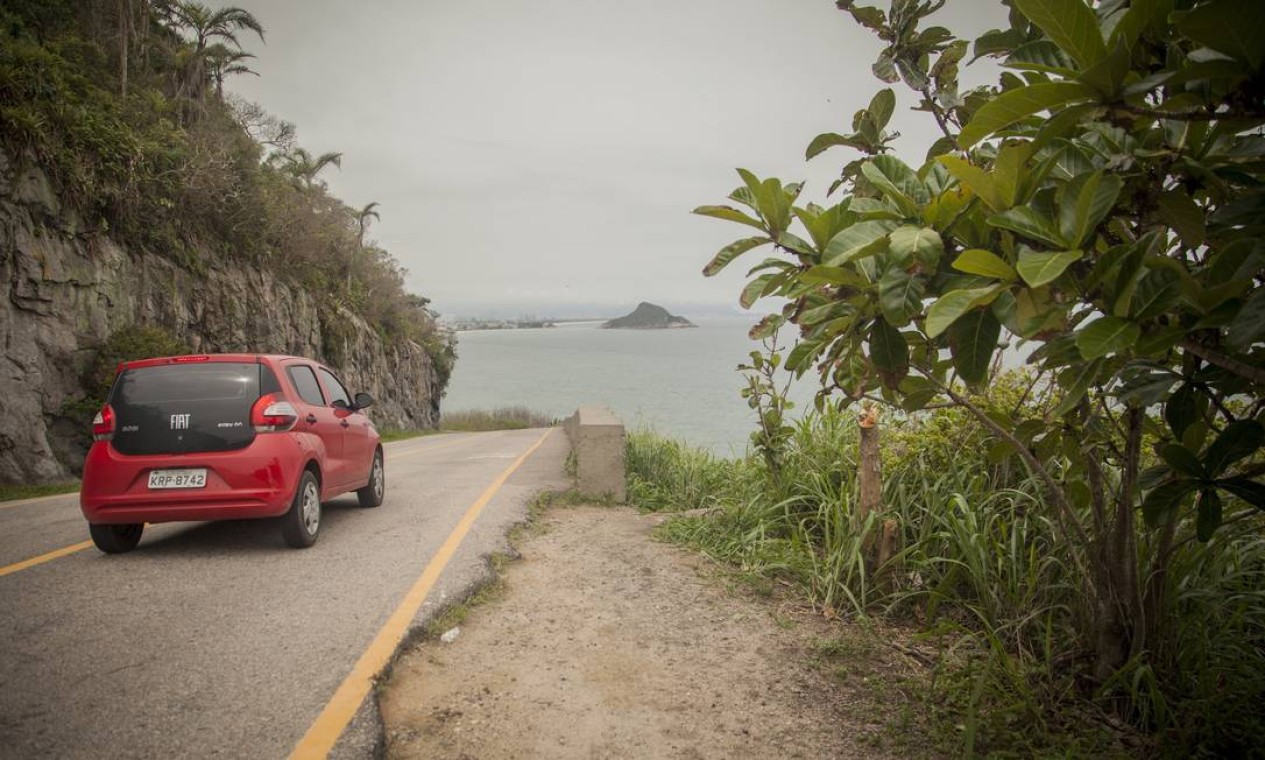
point(67, 291)
point(648, 316)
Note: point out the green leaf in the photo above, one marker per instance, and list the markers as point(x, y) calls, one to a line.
point(1017, 104)
point(1146, 388)
point(858, 240)
point(1108, 75)
point(824, 275)
point(1247, 490)
point(1071, 24)
point(1158, 341)
point(1037, 268)
point(954, 304)
point(1042, 55)
point(802, 355)
point(977, 180)
point(828, 140)
point(985, 264)
point(888, 185)
point(1084, 203)
point(1183, 460)
point(795, 243)
point(729, 213)
point(731, 252)
point(766, 327)
point(1028, 222)
point(1077, 381)
point(1209, 518)
point(1249, 324)
point(972, 341)
point(756, 289)
point(882, 105)
point(774, 205)
point(1157, 292)
point(1239, 439)
point(1106, 335)
point(889, 352)
point(1233, 27)
point(1179, 211)
point(823, 224)
point(1165, 498)
point(996, 41)
point(921, 244)
point(1011, 170)
point(1184, 408)
point(917, 392)
point(900, 295)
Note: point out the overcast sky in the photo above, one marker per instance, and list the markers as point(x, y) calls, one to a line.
point(542, 156)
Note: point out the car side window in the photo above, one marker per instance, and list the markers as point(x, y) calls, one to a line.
point(336, 390)
point(305, 383)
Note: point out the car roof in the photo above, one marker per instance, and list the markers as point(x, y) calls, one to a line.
point(199, 358)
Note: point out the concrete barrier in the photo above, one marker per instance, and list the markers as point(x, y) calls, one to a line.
point(597, 442)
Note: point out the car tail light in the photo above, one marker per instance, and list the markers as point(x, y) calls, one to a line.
point(190, 359)
point(272, 413)
point(103, 424)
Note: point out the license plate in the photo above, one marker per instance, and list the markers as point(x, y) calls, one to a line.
point(192, 478)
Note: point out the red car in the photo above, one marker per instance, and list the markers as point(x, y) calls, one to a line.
point(226, 437)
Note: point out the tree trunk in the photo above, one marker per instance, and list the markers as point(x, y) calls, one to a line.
point(1119, 633)
point(869, 475)
point(125, 24)
point(878, 547)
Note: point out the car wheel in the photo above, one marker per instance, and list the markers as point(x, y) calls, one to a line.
point(116, 539)
point(302, 523)
point(373, 492)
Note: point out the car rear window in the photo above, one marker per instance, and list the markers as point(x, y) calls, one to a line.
point(184, 408)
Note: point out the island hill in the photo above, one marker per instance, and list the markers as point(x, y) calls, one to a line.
point(647, 316)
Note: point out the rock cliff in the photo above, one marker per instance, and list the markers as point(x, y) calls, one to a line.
point(67, 290)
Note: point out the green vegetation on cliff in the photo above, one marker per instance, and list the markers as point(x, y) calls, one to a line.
point(121, 102)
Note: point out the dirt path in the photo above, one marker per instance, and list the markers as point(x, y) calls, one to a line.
point(608, 644)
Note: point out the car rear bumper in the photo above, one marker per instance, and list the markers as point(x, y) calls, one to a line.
point(257, 481)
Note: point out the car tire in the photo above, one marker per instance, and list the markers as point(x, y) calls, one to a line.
point(375, 490)
point(302, 524)
point(116, 539)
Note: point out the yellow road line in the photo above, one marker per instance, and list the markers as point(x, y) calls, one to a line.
point(41, 559)
point(341, 708)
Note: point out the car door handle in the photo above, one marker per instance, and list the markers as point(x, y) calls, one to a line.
point(311, 419)
point(345, 423)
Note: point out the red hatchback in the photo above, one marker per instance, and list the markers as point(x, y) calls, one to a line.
point(226, 437)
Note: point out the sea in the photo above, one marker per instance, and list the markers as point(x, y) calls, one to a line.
point(681, 383)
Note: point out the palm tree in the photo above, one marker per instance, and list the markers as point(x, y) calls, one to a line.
point(224, 61)
point(204, 26)
point(303, 167)
point(362, 221)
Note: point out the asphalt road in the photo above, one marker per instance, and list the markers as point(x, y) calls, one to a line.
point(215, 639)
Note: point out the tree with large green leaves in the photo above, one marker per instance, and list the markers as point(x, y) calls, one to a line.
point(1104, 205)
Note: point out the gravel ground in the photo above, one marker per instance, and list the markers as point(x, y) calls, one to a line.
point(604, 643)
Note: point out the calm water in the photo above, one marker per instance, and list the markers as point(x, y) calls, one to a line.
point(681, 383)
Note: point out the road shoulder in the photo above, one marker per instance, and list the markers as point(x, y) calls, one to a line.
point(602, 642)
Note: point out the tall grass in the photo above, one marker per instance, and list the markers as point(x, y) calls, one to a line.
point(981, 560)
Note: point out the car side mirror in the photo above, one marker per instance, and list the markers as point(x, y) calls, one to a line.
point(363, 400)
